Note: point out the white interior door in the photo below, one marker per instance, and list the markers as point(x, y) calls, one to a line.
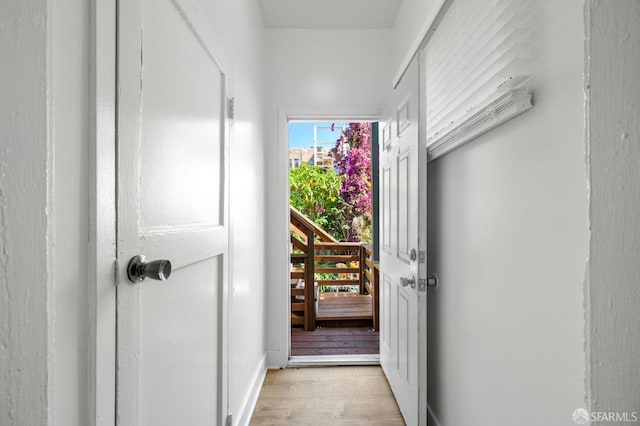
point(403, 258)
point(172, 204)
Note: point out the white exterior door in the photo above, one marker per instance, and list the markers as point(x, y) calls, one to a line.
point(402, 257)
point(172, 204)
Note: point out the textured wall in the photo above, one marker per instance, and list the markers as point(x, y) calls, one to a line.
point(613, 47)
point(25, 224)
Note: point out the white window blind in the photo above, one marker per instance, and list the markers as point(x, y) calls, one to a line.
point(477, 63)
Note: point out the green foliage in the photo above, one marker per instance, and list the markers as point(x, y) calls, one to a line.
point(315, 192)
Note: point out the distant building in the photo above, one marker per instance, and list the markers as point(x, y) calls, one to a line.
point(299, 156)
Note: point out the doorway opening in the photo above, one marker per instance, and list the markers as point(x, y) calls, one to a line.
point(333, 211)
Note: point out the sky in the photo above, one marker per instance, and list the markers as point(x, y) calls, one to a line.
point(301, 134)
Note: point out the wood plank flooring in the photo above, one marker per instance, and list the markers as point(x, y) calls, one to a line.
point(344, 306)
point(326, 396)
point(335, 341)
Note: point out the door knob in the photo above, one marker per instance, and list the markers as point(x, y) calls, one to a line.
point(411, 281)
point(432, 281)
point(139, 269)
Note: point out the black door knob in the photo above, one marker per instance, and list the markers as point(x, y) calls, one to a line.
point(139, 269)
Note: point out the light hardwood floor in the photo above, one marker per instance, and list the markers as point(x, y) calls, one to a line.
point(326, 396)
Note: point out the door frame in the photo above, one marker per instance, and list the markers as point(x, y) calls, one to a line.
point(423, 403)
point(278, 313)
point(102, 203)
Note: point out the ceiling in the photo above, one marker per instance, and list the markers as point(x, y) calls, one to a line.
point(329, 14)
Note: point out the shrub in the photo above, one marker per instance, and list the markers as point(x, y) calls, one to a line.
point(315, 192)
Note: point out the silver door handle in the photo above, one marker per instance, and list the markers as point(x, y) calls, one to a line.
point(139, 269)
point(411, 281)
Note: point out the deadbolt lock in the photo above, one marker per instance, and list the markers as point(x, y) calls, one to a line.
point(413, 255)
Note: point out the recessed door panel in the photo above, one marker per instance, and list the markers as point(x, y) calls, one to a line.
point(387, 134)
point(403, 206)
point(403, 117)
point(177, 350)
point(180, 110)
point(403, 334)
point(386, 210)
point(384, 313)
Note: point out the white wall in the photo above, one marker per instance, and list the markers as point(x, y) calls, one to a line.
point(310, 72)
point(613, 47)
point(239, 24)
point(508, 237)
point(25, 221)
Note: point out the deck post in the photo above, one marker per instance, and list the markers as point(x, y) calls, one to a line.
point(309, 284)
point(362, 256)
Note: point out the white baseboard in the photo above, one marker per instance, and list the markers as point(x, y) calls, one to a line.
point(249, 404)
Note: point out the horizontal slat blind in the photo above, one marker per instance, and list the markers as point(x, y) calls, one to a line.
point(480, 49)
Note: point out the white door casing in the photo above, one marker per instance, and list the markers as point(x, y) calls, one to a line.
point(402, 256)
point(172, 181)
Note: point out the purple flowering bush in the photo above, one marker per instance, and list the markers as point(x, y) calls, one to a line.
point(352, 155)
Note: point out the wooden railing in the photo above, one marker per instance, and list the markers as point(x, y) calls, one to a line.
point(370, 273)
point(349, 263)
point(340, 259)
point(303, 253)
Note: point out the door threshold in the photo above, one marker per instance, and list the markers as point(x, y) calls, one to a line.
point(333, 360)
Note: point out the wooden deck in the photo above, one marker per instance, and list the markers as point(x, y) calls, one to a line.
point(335, 341)
point(343, 306)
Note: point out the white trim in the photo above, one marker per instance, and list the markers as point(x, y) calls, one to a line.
point(102, 202)
point(50, 206)
point(332, 360)
point(417, 42)
point(249, 404)
point(202, 30)
point(278, 313)
point(423, 237)
point(500, 108)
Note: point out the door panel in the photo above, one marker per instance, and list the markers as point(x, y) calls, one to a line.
point(403, 205)
point(386, 209)
point(172, 204)
point(179, 357)
point(403, 338)
point(403, 303)
point(385, 302)
point(181, 108)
